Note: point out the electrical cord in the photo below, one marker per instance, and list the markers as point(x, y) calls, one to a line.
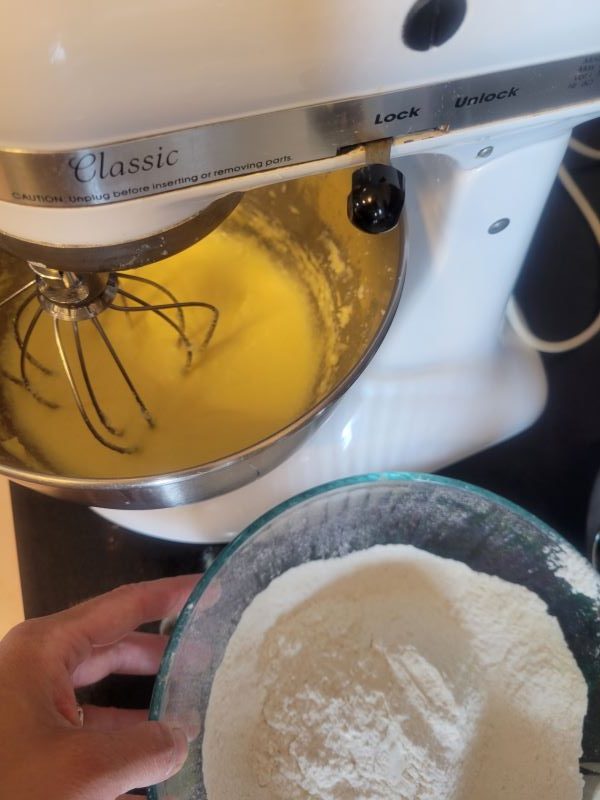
point(514, 314)
point(584, 149)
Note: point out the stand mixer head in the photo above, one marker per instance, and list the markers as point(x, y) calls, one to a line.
point(463, 100)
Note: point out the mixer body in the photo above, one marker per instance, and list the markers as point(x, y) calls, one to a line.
point(125, 123)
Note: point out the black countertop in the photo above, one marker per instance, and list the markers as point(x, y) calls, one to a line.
point(67, 553)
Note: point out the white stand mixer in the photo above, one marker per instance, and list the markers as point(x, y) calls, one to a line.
point(479, 101)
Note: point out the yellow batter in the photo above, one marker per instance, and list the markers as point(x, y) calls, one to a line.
point(259, 372)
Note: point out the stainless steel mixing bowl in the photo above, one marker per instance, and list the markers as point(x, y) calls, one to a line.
point(310, 215)
point(445, 517)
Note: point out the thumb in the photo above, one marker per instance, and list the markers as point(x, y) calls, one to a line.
point(132, 757)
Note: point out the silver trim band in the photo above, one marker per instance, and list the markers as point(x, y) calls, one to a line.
point(155, 164)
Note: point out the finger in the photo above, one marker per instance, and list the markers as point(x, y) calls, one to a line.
point(209, 597)
point(135, 654)
point(137, 793)
point(106, 619)
point(97, 718)
point(118, 761)
point(129, 795)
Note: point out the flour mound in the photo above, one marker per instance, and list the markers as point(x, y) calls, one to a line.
point(392, 674)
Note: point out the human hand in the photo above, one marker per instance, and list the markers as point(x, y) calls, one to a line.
point(50, 748)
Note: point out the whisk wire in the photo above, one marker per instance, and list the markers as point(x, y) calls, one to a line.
point(16, 326)
point(166, 306)
point(145, 413)
point(14, 295)
point(77, 397)
point(88, 384)
point(158, 310)
point(159, 288)
point(23, 361)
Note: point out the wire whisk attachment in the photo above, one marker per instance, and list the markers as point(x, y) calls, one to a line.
point(72, 299)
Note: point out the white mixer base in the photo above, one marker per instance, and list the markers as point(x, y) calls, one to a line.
point(417, 420)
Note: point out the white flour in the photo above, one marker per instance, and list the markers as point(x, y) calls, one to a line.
point(573, 568)
point(391, 674)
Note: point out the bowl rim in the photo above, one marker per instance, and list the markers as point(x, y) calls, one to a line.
point(393, 477)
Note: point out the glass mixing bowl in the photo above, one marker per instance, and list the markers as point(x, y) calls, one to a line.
point(445, 517)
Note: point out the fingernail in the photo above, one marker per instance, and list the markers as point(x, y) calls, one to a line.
point(167, 625)
point(181, 749)
point(192, 731)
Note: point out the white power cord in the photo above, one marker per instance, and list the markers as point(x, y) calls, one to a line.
point(514, 314)
point(584, 149)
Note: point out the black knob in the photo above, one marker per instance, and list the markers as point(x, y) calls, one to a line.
point(377, 198)
point(431, 23)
